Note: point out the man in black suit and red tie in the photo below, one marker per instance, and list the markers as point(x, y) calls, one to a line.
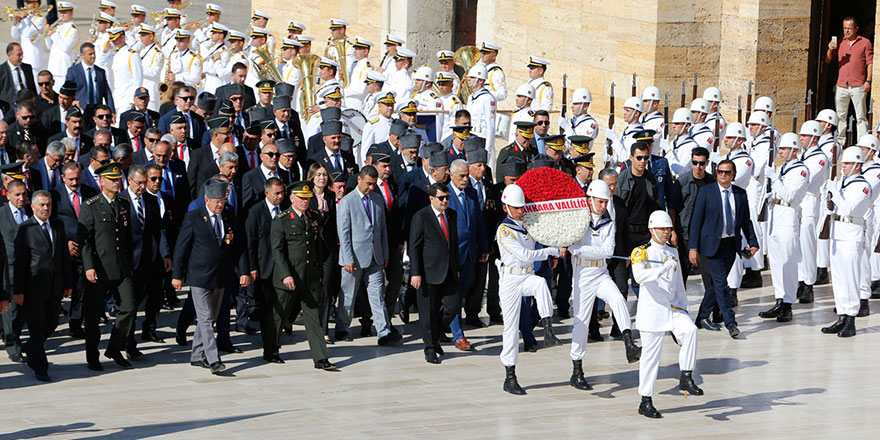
point(433, 243)
point(15, 75)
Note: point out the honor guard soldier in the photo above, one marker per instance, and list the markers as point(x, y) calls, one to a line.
point(765, 104)
point(215, 58)
point(152, 62)
point(543, 89)
point(446, 60)
point(556, 150)
point(127, 71)
point(374, 82)
point(517, 255)
point(298, 249)
point(828, 121)
point(259, 20)
point(449, 98)
point(183, 65)
point(169, 31)
point(388, 62)
point(400, 79)
point(678, 150)
point(107, 261)
point(632, 110)
point(61, 43)
point(581, 123)
point(482, 106)
point(851, 196)
point(871, 172)
point(523, 110)
point(811, 207)
point(521, 147)
point(426, 97)
point(358, 66)
point(591, 280)
point(496, 82)
point(376, 131)
point(27, 31)
point(701, 132)
point(662, 307)
point(652, 119)
point(212, 17)
point(788, 187)
point(713, 96)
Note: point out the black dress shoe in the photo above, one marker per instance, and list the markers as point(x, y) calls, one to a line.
point(849, 327)
point(836, 327)
point(119, 359)
point(228, 348)
point(496, 319)
point(181, 340)
point(707, 325)
point(288, 331)
point(328, 340)
point(594, 336)
point(324, 364)
point(603, 315)
point(733, 331)
point(774, 311)
point(807, 294)
point(389, 339)
point(366, 329)
point(150, 335)
point(785, 314)
point(246, 330)
point(864, 308)
point(273, 359)
point(431, 357)
point(134, 353)
point(42, 376)
point(217, 367)
point(821, 276)
point(531, 347)
point(17, 358)
point(439, 350)
point(202, 363)
point(646, 408)
point(404, 312)
point(343, 337)
point(474, 322)
point(77, 333)
point(95, 366)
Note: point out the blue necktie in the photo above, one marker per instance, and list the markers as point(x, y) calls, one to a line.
point(217, 232)
point(464, 209)
point(167, 184)
point(728, 215)
point(91, 86)
point(367, 208)
point(336, 163)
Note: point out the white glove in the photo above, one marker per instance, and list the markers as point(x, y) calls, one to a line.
point(715, 157)
point(665, 146)
point(770, 172)
point(564, 125)
point(668, 266)
point(829, 187)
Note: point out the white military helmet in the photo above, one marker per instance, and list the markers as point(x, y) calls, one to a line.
point(659, 219)
point(424, 73)
point(682, 116)
point(760, 118)
point(477, 71)
point(712, 94)
point(634, 103)
point(764, 104)
point(868, 141)
point(700, 105)
point(852, 155)
point(810, 128)
point(735, 130)
point(599, 189)
point(513, 196)
point(789, 140)
point(829, 116)
point(581, 96)
point(651, 94)
point(526, 90)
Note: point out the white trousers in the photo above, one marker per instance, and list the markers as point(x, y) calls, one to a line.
point(808, 240)
point(875, 233)
point(652, 343)
point(511, 289)
point(865, 271)
point(588, 283)
point(782, 251)
point(845, 267)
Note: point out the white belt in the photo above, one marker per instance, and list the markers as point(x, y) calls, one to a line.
point(517, 270)
point(845, 219)
point(588, 263)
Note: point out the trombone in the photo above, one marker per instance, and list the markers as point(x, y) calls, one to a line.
point(12, 14)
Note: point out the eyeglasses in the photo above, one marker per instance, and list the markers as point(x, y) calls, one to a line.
point(187, 98)
point(103, 162)
point(724, 171)
point(26, 117)
point(641, 158)
point(152, 139)
point(271, 134)
point(235, 98)
point(271, 155)
point(542, 123)
point(45, 84)
point(701, 163)
point(156, 179)
point(442, 198)
point(103, 116)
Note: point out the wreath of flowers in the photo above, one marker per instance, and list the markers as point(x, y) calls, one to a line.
point(561, 224)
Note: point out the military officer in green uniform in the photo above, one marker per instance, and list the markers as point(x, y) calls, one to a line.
point(298, 250)
point(107, 261)
point(522, 147)
point(556, 150)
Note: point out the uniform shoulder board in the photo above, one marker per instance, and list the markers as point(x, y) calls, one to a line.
point(196, 56)
point(455, 99)
point(420, 126)
point(504, 231)
point(532, 113)
point(639, 254)
point(284, 213)
point(434, 95)
point(374, 121)
point(496, 67)
point(93, 199)
point(546, 83)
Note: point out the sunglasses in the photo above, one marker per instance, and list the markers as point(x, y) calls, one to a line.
point(187, 98)
point(235, 98)
point(271, 155)
point(641, 158)
point(103, 116)
point(442, 198)
point(724, 171)
point(542, 123)
point(103, 162)
point(701, 163)
point(152, 139)
point(44, 84)
point(26, 117)
point(156, 179)
point(271, 135)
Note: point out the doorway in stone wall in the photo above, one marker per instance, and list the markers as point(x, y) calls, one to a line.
point(465, 32)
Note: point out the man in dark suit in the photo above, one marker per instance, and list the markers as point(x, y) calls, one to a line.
point(315, 143)
point(134, 132)
point(253, 182)
point(54, 116)
point(145, 155)
point(287, 120)
point(27, 127)
point(481, 182)
point(239, 73)
point(258, 226)
point(103, 120)
point(418, 176)
point(719, 221)
point(14, 213)
point(14, 74)
point(170, 223)
point(73, 130)
point(617, 268)
point(433, 245)
point(49, 166)
point(174, 180)
point(184, 100)
point(404, 159)
point(91, 81)
point(96, 158)
point(249, 148)
point(141, 101)
point(42, 276)
point(203, 161)
point(331, 155)
point(204, 256)
point(30, 155)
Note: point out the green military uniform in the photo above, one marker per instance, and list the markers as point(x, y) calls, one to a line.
point(298, 250)
point(514, 150)
point(107, 249)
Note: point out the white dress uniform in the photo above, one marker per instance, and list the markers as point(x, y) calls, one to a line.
point(591, 279)
point(662, 307)
point(811, 210)
point(401, 83)
point(523, 114)
point(167, 41)
point(621, 145)
point(375, 131)
point(238, 57)
point(214, 70)
point(583, 125)
point(333, 54)
point(788, 188)
point(429, 100)
point(543, 94)
point(517, 255)
point(356, 90)
point(481, 106)
point(201, 36)
point(745, 169)
point(703, 135)
point(654, 121)
point(852, 201)
point(26, 32)
point(760, 148)
point(62, 46)
point(132, 38)
point(679, 155)
point(106, 63)
point(252, 77)
point(152, 61)
point(103, 59)
point(497, 83)
point(451, 105)
point(710, 122)
point(370, 109)
point(823, 247)
point(871, 173)
point(186, 67)
point(127, 77)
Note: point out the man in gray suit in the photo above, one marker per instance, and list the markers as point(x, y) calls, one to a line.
point(363, 254)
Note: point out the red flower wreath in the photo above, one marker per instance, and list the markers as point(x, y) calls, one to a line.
point(545, 183)
point(548, 222)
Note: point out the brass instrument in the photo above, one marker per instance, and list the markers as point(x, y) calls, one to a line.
point(307, 64)
point(93, 28)
point(465, 57)
point(12, 14)
point(45, 31)
point(165, 86)
point(339, 44)
point(265, 65)
point(160, 15)
point(195, 25)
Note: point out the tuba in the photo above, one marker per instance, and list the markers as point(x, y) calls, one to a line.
point(465, 57)
point(265, 65)
point(340, 45)
point(306, 63)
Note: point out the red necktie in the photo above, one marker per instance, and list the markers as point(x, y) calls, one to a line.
point(253, 160)
point(180, 148)
point(27, 179)
point(443, 226)
point(137, 144)
point(387, 194)
point(75, 203)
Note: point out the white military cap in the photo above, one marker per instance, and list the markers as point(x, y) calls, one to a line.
point(257, 32)
point(304, 39)
point(295, 26)
point(852, 155)
point(104, 4)
point(65, 6)
point(392, 40)
point(489, 46)
point(424, 73)
point(374, 76)
point(328, 62)
point(171, 13)
point(105, 17)
point(403, 52)
point(634, 103)
point(182, 33)
point(712, 94)
point(217, 27)
point(537, 62)
point(582, 96)
point(337, 23)
point(526, 90)
point(115, 32)
point(445, 55)
point(288, 43)
point(442, 76)
point(361, 43)
point(147, 29)
point(868, 141)
point(700, 105)
point(212, 8)
point(138, 10)
point(682, 116)
point(260, 14)
point(764, 103)
point(235, 35)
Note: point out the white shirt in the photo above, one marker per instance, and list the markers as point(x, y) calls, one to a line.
point(158, 196)
point(18, 214)
point(272, 209)
point(732, 210)
point(51, 233)
point(268, 173)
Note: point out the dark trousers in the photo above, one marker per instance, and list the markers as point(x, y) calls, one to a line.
point(638, 235)
point(528, 319)
point(563, 273)
point(473, 298)
point(282, 303)
point(493, 301)
point(42, 319)
point(76, 295)
point(331, 285)
point(438, 305)
point(93, 308)
point(717, 292)
point(393, 279)
point(147, 285)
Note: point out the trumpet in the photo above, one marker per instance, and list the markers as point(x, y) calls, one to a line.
point(158, 16)
point(12, 14)
point(198, 24)
point(45, 31)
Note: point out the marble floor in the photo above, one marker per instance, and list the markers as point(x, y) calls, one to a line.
point(777, 381)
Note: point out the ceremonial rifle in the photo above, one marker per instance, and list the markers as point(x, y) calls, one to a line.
point(562, 113)
point(794, 118)
point(695, 86)
point(683, 92)
point(666, 115)
point(825, 233)
point(808, 107)
point(749, 102)
point(870, 116)
point(634, 85)
point(609, 151)
point(739, 109)
point(762, 216)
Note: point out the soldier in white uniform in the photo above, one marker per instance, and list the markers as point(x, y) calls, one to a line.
point(701, 132)
point(761, 147)
point(289, 73)
point(451, 103)
point(523, 110)
point(871, 260)
point(591, 279)
point(632, 109)
point(517, 255)
point(169, 31)
point(329, 98)
point(115, 42)
point(851, 196)
point(481, 106)
point(744, 167)
point(103, 48)
point(183, 65)
point(235, 41)
point(827, 120)
point(400, 80)
point(678, 152)
point(376, 130)
point(132, 33)
point(713, 96)
point(215, 58)
point(496, 81)
point(259, 38)
point(581, 123)
point(788, 187)
point(107, 7)
point(327, 76)
point(652, 119)
point(425, 95)
point(374, 82)
point(765, 104)
point(202, 35)
point(662, 307)
point(25, 30)
point(337, 32)
point(543, 89)
point(358, 67)
point(127, 72)
point(152, 62)
point(294, 28)
point(446, 60)
point(811, 207)
point(387, 63)
point(259, 20)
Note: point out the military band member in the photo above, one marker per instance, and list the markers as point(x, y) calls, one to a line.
point(373, 89)
point(212, 17)
point(259, 39)
point(445, 82)
point(127, 71)
point(215, 58)
point(152, 62)
point(652, 119)
point(701, 132)
point(811, 207)
point(543, 89)
point(289, 73)
point(388, 63)
point(235, 40)
point(107, 7)
point(522, 111)
point(377, 129)
point(327, 80)
point(61, 42)
point(496, 81)
point(168, 35)
point(26, 30)
point(632, 110)
point(482, 107)
point(358, 66)
point(183, 65)
point(400, 79)
point(260, 20)
point(103, 23)
point(338, 28)
point(446, 60)
point(132, 32)
point(295, 28)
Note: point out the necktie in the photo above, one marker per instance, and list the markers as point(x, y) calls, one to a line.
point(137, 144)
point(189, 125)
point(180, 148)
point(75, 202)
point(336, 165)
point(481, 195)
point(463, 202)
point(387, 194)
point(276, 211)
point(443, 226)
point(19, 217)
point(27, 133)
point(366, 200)
point(728, 216)
point(139, 207)
point(253, 159)
point(48, 235)
point(167, 183)
point(91, 86)
point(20, 78)
point(217, 232)
point(3, 157)
point(284, 133)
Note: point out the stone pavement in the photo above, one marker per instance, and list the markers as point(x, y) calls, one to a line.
point(778, 381)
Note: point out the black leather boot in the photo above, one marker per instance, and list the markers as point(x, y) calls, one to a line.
point(849, 327)
point(633, 351)
point(822, 276)
point(837, 326)
point(734, 301)
point(800, 289)
point(773, 312)
point(807, 296)
point(784, 313)
point(864, 308)
point(577, 376)
point(510, 383)
point(686, 383)
point(751, 280)
point(549, 338)
point(646, 408)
